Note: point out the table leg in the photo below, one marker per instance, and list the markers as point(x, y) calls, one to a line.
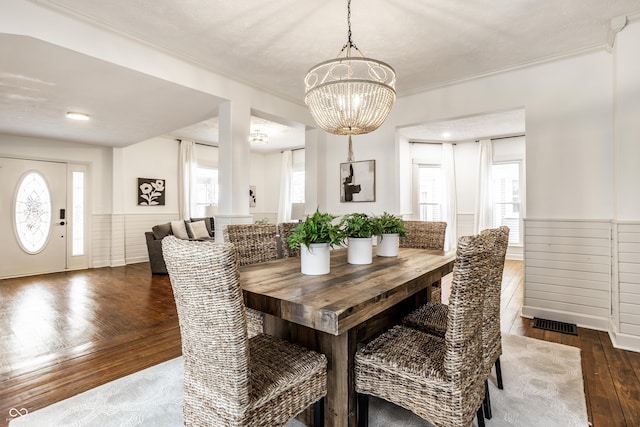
point(340, 402)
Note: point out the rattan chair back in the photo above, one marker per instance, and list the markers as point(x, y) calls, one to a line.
point(254, 242)
point(463, 337)
point(424, 235)
point(284, 230)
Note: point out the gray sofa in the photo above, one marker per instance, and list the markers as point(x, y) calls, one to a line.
point(158, 232)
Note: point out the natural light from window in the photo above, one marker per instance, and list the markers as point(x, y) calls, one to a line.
point(297, 186)
point(430, 184)
point(33, 213)
point(207, 186)
point(506, 196)
point(77, 214)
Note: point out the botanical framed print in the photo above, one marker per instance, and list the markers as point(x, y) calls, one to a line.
point(151, 192)
point(358, 181)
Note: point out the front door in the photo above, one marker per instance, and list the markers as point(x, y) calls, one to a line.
point(33, 202)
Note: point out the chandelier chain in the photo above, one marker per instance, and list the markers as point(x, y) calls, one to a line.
point(350, 44)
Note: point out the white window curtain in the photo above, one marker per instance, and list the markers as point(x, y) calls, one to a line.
point(187, 171)
point(284, 204)
point(484, 201)
point(449, 202)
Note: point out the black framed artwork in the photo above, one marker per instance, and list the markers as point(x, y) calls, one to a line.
point(358, 181)
point(151, 192)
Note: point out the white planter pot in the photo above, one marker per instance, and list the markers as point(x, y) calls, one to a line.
point(315, 261)
point(388, 244)
point(359, 250)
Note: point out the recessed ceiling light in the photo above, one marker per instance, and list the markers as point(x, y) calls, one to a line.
point(446, 134)
point(77, 116)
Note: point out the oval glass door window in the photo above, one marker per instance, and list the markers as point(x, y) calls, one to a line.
point(33, 212)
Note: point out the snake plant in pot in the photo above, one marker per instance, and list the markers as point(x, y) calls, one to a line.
point(389, 228)
point(357, 228)
point(314, 237)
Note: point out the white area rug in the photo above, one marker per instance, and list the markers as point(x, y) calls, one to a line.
point(542, 387)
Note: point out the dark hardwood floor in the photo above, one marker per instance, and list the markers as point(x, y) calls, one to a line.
point(64, 333)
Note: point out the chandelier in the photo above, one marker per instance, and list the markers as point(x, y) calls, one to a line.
point(350, 95)
point(258, 138)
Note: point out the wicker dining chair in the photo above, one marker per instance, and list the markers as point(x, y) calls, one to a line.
point(426, 235)
point(254, 243)
point(432, 316)
point(231, 380)
point(284, 230)
point(438, 378)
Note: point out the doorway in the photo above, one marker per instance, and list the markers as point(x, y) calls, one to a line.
point(33, 217)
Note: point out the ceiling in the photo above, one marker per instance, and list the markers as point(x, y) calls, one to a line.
point(271, 45)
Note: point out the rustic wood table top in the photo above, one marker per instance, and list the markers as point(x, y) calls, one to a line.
point(349, 294)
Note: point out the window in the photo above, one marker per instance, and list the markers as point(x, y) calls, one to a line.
point(297, 176)
point(33, 213)
point(77, 213)
point(506, 196)
point(297, 186)
point(430, 188)
point(207, 190)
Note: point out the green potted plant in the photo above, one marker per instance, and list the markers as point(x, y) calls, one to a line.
point(358, 229)
point(314, 237)
point(389, 228)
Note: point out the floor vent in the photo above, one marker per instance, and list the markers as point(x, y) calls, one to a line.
point(553, 325)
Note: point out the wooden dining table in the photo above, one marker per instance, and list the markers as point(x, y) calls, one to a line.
point(335, 312)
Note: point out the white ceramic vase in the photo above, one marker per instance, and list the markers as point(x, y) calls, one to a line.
point(359, 250)
point(316, 260)
point(388, 244)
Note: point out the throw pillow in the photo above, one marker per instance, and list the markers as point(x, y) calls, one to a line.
point(179, 230)
point(160, 231)
point(198, 230)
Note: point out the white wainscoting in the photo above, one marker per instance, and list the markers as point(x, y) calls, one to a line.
point(118, 248)
point(100, 240)
point(625, 319)
point(135, 227)
point(568, 271)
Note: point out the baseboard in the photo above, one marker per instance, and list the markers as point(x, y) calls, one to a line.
point(623, 341)
point(138, 259)
point(582, 320)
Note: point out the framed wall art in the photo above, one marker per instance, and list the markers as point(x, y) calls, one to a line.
point(358, 181)
point(151, 192)
point(252, 196)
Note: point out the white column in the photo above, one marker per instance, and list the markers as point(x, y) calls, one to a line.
point(234, 161)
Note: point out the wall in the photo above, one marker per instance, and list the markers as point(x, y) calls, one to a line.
point(264, 174)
